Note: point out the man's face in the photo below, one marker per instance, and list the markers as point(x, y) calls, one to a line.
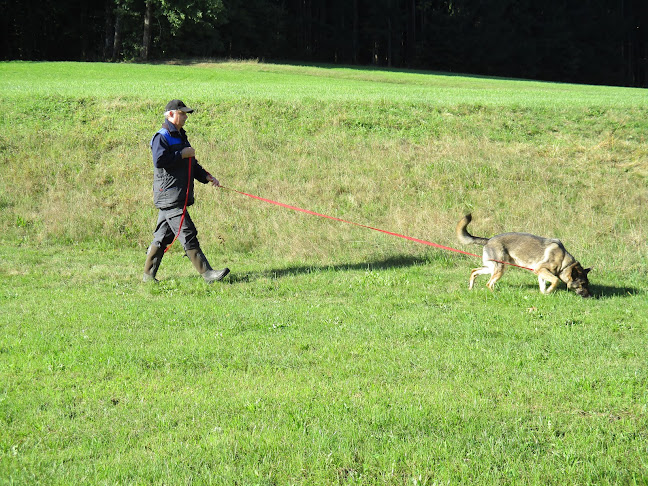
point(178, 118)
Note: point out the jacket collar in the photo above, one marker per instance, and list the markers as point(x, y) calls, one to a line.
point(172, 128)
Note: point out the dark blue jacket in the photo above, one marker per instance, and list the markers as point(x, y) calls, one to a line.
point(171, 171)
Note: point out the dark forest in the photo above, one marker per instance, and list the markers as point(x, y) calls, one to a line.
point(584, 41)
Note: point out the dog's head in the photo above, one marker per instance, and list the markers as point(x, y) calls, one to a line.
point(578, 281)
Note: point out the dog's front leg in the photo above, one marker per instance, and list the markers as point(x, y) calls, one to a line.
point(545, 275)
point(542, 284)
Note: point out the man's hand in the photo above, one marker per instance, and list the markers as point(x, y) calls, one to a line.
point(213, 180)
point(188, 152)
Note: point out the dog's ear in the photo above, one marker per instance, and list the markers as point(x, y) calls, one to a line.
point(577, 271)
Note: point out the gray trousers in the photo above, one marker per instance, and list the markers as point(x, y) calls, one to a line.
point(167, 227)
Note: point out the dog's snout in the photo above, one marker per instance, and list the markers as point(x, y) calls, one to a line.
point(583, 292)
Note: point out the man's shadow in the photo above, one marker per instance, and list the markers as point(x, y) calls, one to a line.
point(387, 263)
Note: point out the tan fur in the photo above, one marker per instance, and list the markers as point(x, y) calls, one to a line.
point(547, 258)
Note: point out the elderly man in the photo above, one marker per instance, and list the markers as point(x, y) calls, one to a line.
point(175, 168)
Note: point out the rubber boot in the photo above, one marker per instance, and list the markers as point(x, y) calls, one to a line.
point(201, 264)
point(153, 260)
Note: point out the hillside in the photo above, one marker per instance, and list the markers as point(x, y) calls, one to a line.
point(406, 151)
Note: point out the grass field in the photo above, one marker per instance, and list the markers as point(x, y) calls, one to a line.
point(332, 354)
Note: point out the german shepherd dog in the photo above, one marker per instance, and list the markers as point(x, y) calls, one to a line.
point(545, 256)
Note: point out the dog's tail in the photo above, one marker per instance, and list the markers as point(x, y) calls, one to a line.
point(465, 237)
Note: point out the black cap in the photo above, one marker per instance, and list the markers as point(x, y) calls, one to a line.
point(178, 105)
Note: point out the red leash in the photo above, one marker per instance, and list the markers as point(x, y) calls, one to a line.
point(313, 213)
point(184, 209)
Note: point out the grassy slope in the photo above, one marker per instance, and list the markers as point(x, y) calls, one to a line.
point(409, 152)
point(333, 354)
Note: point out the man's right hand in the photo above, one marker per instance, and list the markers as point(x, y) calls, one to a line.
point(188, 152)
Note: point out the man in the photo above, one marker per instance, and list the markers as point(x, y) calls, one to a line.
point(175, 168)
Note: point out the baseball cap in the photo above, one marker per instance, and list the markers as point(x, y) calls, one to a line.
point(178, 105)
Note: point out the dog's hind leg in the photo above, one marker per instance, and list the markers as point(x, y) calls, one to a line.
point(498, 271)
point(478, 271)
point(489, 268)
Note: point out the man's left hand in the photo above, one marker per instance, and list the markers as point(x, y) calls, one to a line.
point(214, 182)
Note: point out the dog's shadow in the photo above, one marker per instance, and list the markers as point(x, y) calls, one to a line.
point(606, 291)
point(598, 291)
point(294, 270)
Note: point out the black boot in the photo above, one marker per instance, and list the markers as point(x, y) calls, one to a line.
point(201, 264)
point(153, 259)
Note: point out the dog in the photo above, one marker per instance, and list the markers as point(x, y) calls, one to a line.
point(547, 258)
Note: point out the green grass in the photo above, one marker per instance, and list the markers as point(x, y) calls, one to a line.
point(372, 372)
point(241, 80)
point(332, 354)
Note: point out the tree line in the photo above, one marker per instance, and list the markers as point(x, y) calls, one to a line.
point(584, 41)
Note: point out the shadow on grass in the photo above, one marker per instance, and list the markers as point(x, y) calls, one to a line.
point(350, 67)
point(293, 270)
point(597, 291)
point(605, 291)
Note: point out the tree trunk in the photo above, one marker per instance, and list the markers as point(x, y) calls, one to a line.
point(411, 33)
point(146, 39)
point(355, 32)
point(117, 40)
point(308, 30)
point(389, 42)
point(108, 32)
point(84, 28)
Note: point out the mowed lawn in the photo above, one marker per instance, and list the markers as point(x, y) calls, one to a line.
point(332, 354)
